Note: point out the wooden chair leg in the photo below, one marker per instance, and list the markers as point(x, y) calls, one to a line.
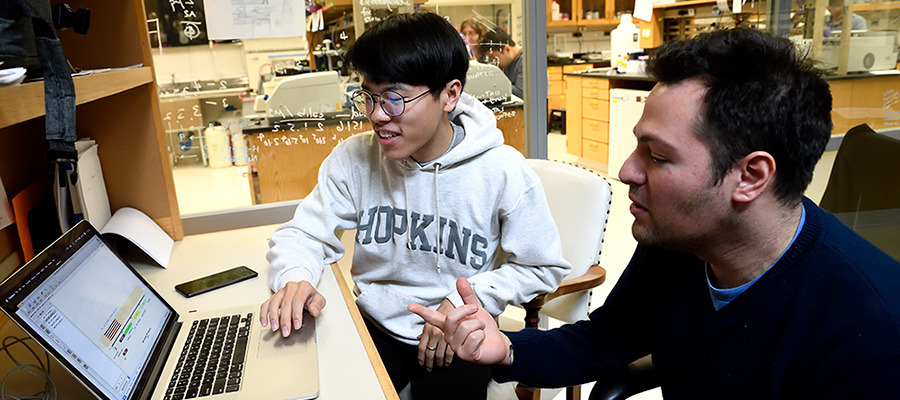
point(526, 393)
point(533, 311)
point(573, 393)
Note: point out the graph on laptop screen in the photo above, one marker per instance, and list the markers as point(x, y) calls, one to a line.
point(99, 316)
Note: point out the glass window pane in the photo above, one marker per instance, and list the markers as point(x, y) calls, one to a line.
point(249, 121)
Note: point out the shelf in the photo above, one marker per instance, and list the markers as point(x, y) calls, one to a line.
point(875, 6)
point(686, 3)
point(599, 22)
point(570, 22)
point(26, 101)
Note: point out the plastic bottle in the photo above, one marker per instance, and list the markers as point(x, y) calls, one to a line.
point(218, 146)
point(625, 37)
point(555, 11)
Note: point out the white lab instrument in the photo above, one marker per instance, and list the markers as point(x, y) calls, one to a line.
point(302, 95)
point(487, 83)
point(560, 47)
point(871, 51)
point(625, 109)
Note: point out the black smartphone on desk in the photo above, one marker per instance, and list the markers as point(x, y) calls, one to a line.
point(215, 281)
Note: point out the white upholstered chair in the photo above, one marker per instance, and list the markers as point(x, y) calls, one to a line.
point(579, 201)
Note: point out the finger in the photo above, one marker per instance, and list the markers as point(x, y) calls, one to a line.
point(296, 317)
point(430, 352)
point(448, 357)
point(263, 313)
point(430, 316)
point(315, 305)
point(271, 313)
point(439, 353)
point(287, 311)
point(472, 344)
point(466, 292)
point(457, 316)
point(422, 348)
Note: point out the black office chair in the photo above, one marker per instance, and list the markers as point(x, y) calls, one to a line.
point(640, 377)
point(863, 190)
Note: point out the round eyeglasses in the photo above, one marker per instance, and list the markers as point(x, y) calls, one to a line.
point(392, 103)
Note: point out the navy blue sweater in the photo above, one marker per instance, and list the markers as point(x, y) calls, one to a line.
point(822, 323)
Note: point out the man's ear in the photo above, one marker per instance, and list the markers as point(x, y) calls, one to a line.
point(757, 172)
point(453, 89)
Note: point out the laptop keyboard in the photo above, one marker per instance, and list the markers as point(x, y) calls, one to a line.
point(212, 360)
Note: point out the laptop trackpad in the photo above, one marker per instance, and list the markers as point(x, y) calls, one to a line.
point(272, 344)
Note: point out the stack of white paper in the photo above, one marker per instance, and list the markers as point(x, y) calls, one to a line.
point(90, 200)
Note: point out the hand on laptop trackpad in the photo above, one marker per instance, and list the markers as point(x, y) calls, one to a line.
point(272, 344)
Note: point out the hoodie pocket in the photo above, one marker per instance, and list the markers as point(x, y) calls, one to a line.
point(389, 309)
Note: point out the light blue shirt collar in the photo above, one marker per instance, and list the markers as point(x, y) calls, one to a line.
point(721, 297)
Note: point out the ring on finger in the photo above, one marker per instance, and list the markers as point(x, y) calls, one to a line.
point(431, 348)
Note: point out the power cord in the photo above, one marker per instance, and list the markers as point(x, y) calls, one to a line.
point(41, 371)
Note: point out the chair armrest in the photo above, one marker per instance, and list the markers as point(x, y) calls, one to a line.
point(594, 276)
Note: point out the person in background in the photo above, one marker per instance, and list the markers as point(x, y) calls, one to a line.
point(740, 287)
point(836, 22)
point(502, 51)
point(434, 195)
point(473, 30)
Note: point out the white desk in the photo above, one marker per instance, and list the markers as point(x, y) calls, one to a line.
point(349, 366)
point(345, 369)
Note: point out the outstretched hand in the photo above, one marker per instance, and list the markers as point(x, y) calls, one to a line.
point(470, 330)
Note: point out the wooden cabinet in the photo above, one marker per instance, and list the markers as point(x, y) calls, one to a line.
point(595, 119)
point(573, 114)
point(588, 113)
point(872, 100)
point(557, 94)
point(118, 109)
point(576, 11)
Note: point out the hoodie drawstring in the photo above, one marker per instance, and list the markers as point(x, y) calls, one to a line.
point(408, 219)
point(437, 206)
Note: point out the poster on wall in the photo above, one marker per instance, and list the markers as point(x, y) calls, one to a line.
point(181, 22)
point(253, 19)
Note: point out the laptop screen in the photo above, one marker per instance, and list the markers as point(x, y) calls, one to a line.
point(92, 309)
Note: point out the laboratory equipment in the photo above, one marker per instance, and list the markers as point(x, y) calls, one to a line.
point(625, 37)
point(871, 51)
point(625, 109)
point(487, 83)
point(302, 95)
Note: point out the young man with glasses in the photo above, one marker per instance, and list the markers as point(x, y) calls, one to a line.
point(434, 195)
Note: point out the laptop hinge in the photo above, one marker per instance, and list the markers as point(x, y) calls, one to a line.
point(162, 354)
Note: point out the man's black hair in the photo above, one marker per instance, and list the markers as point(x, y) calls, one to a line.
point(495, 40)
point(417, 49)
point(760, 96)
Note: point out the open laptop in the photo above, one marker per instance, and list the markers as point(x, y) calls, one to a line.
point(101, 320)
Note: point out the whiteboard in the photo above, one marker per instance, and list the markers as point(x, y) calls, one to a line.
point(254, 19)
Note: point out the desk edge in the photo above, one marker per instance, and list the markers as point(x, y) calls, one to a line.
point(390, 393)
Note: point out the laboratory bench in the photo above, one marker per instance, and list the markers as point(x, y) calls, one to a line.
point(285, 152)
point(591, 110)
